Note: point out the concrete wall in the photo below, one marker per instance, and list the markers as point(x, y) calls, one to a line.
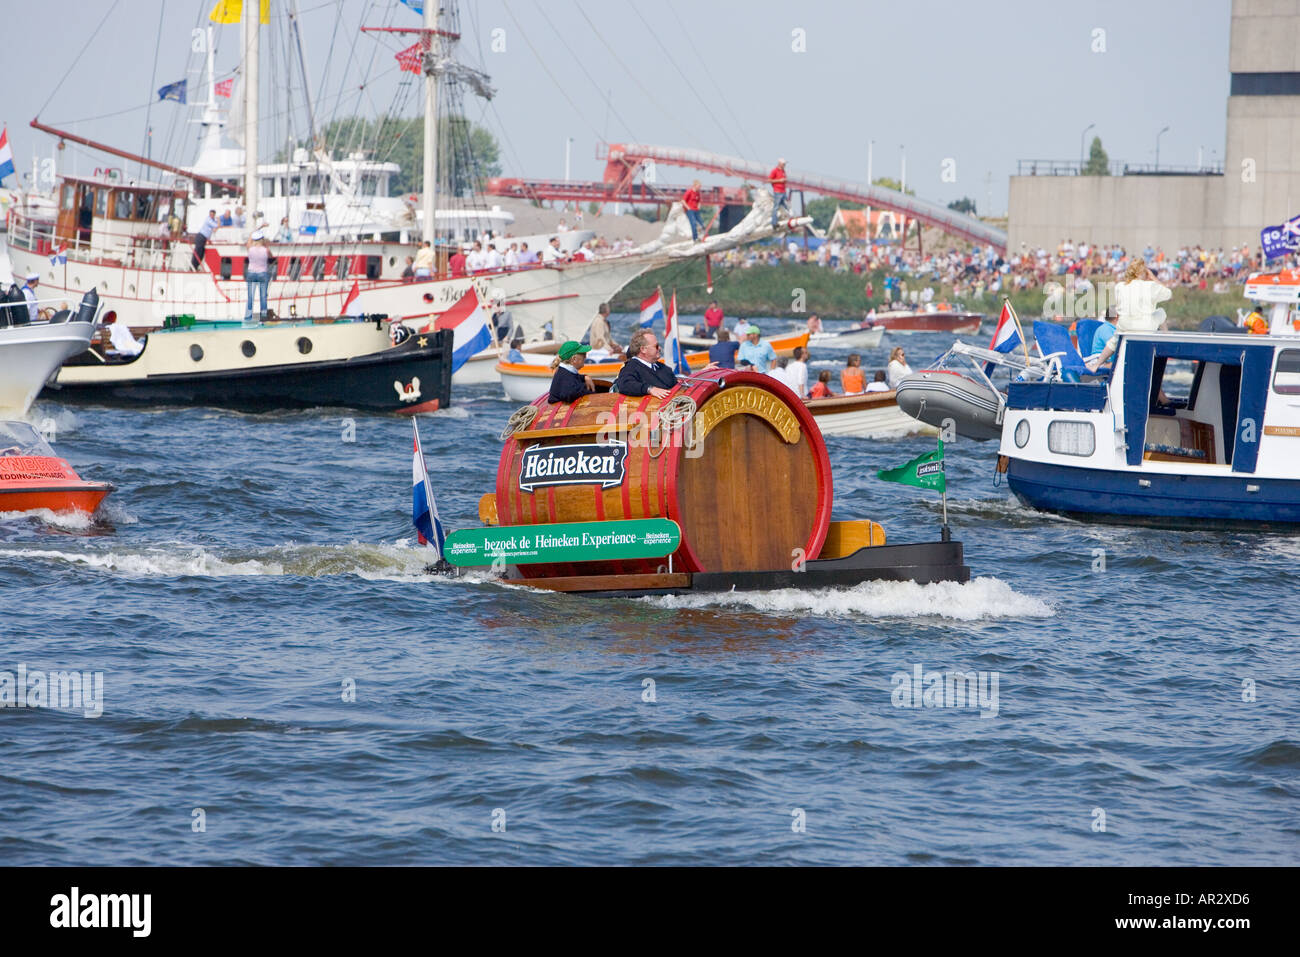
point(1261, 165)
point(1165, 211)
point(1265, 36)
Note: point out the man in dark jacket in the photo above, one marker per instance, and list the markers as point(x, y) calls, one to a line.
point(643, 373)
point(568, 384)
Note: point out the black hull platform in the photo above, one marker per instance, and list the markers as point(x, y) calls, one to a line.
point(367, 382)
point(923, 563)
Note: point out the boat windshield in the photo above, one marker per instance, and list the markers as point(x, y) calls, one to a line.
point(19, 438)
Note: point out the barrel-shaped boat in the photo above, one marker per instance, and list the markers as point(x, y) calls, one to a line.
point(734, 458)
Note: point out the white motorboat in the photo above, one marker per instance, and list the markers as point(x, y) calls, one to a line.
point(1143, 445)
point(30, 352)
point(871, 415)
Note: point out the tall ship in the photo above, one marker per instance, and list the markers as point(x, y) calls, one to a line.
point(134, 241)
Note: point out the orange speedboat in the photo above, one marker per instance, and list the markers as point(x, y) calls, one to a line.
point(32, 477)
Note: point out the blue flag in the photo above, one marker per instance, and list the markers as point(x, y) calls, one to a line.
point(416, 5)
point(173, 91)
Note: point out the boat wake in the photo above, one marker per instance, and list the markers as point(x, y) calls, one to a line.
point(400, 561)
point(978, 600)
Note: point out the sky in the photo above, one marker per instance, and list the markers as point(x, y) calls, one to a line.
point(950, 87)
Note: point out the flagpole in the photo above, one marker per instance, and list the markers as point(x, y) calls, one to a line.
point(945, 534)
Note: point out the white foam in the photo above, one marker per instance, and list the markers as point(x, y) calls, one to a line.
point(979, 599)
point(72, 521)
point(397, 562)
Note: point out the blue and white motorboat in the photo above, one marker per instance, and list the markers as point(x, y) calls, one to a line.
point(1189, 427)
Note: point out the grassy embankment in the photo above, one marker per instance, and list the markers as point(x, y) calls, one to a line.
point(771, 291)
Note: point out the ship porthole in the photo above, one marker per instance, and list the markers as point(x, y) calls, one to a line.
point(196, 352)
point(1022, 433)
point(247, 348)
point(304, 345)
point(162, 290)
point(428, 297)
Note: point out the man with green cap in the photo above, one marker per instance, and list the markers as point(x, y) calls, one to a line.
point(760, 354)
point(568, 384)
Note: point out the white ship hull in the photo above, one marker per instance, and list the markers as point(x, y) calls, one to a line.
point(566, 296)
point(30, 354)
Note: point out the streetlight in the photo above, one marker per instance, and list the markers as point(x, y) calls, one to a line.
point(1082, 139)
point(1158, 135)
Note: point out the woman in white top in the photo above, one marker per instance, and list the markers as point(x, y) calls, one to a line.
point(898, 367)
point(796, 372)
point(1137, 301)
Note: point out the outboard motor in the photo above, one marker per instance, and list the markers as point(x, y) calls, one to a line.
point(13, 307)
point(89, 306)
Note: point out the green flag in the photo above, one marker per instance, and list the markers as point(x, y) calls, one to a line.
point(924, 471)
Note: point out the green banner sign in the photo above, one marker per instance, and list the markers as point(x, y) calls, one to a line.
point(567, 542)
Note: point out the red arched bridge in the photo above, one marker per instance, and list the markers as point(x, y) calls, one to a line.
point(625, 162)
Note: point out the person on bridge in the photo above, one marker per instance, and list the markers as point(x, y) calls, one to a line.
point(692, 203)
point(779, 196)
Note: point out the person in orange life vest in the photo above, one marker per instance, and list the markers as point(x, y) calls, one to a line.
point(779, 196)
point(1256, 324)
point(692, 203)
point(852, 378)
point(821, 388)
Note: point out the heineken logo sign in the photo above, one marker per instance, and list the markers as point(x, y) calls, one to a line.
point(545, 465)
point(929, 468)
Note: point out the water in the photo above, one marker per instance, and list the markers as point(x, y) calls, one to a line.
point(249, 566)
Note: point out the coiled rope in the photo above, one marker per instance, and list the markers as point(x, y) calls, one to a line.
point(676, 413)
point(519, 420)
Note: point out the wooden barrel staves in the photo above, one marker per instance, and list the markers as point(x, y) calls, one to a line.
point(747, 478)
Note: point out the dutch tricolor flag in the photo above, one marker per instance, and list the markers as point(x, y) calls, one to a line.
point(6, 155)
point(672, 340)
point(1006, 336)
point(471, 325)
point(424, 511)
point(652, 310)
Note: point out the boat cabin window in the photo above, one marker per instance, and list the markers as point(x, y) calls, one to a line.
point(317, 184)
point(144, 205)
point(1071, 438)
point(295, 186)
point(268, 186)
point(1286, 377)
point(69, 201)
point(122, 203)
point(19, 438)
point(369, 184)
point(101, 202)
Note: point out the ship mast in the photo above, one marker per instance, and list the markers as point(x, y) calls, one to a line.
point(252, 15)
point(432, 10)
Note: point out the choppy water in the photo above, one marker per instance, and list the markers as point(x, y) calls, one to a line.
point(249, 566)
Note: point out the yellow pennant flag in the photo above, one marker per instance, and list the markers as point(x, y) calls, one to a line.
point(232, 11)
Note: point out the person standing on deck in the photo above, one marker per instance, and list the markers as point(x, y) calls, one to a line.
point(780, 198)
point(457, 262)
point(202, 236)
point(424, 261)
point(257, 272)
point(692, 203)
point(713, 318)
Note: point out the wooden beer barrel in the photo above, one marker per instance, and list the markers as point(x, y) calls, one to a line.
point(753, 494)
